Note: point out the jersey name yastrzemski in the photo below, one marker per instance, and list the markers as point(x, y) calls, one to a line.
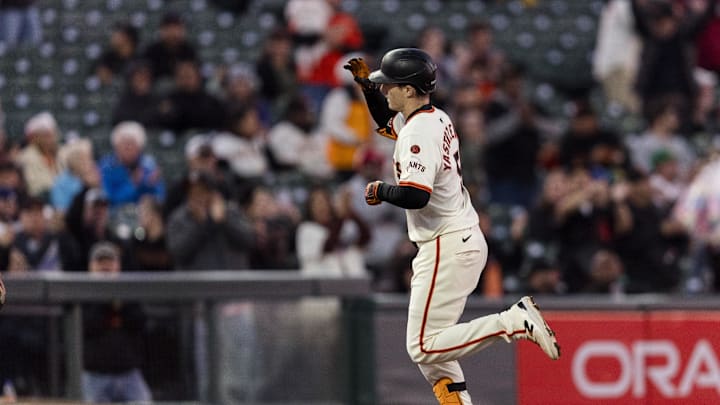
point(427, 156)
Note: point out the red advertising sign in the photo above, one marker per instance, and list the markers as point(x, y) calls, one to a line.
point(646, 358)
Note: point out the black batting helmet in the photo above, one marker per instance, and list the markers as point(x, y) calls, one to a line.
point(407, 66)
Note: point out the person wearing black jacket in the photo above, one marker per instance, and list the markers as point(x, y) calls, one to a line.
point(189, 106)
point(112, 341)
point(171, 47)
point(87, 222)
point(668, 55)
point(121, 50)
point(138, 101)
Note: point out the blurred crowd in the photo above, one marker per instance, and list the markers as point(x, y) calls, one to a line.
point(279, 149)
point(282, 147)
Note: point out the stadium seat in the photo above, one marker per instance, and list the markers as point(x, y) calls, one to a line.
point(475, 7)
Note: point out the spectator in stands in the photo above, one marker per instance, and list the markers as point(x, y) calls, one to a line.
point(473, 91)
point(514, 127)
point(148, 247)
point(112, 340)
point(706, 117)
point(236, 86)
point(316, 63)
point(587, 145)
point(649, 243)
point(138, 101)
point(617, 54)
point(79, 171)
point(128, 172)
point(543, 277)
point(208, 232)
point(11, 176)
point(20, 22)
point(122, 50)
point(12, 182)
point(171, 47)
point(9, 212)
point(39, 159)
point(294, 145)
point(346, 122)
point(36, 246)
point(510, 248)
point(12, 191)
point(661, 134)
point(189, 106)
point(667, 59)
point(696, 210)
point(665, 180)
point(543, 217)
point(275, 223)
point(330, 241)
point(606, 272)
point(199, 156)
point(708, 45)
point(482, 48)
point(542, 234)
point(243, 148)
point(584, 221)
point(277, 73)
point(87, 222)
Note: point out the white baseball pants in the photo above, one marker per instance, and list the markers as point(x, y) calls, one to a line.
point(445, 271)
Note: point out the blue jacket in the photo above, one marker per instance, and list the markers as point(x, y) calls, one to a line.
point(64, 189)
point(119, 185)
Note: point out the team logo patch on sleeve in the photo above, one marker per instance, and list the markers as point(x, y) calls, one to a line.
point(415, 149)
point(414, 166)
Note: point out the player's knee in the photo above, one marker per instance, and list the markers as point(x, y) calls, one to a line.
point(417, 355)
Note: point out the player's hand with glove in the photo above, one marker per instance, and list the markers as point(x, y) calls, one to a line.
point(360, 72)
point(371, 192)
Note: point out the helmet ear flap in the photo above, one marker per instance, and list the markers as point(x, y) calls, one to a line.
point(418, 90)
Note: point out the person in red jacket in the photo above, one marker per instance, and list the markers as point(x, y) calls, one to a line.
point(316, 61)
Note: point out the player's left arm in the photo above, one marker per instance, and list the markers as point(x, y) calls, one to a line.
point(418, 160)
point(407, 197)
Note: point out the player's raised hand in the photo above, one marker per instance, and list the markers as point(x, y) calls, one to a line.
point(360, 72)
point(371, 193)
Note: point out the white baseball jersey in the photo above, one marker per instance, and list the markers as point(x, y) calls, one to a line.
point(427, 156)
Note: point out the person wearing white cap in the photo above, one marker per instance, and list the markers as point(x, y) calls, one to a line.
point(39, 159)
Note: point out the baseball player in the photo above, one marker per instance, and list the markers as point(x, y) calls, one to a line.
point(442, 223)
